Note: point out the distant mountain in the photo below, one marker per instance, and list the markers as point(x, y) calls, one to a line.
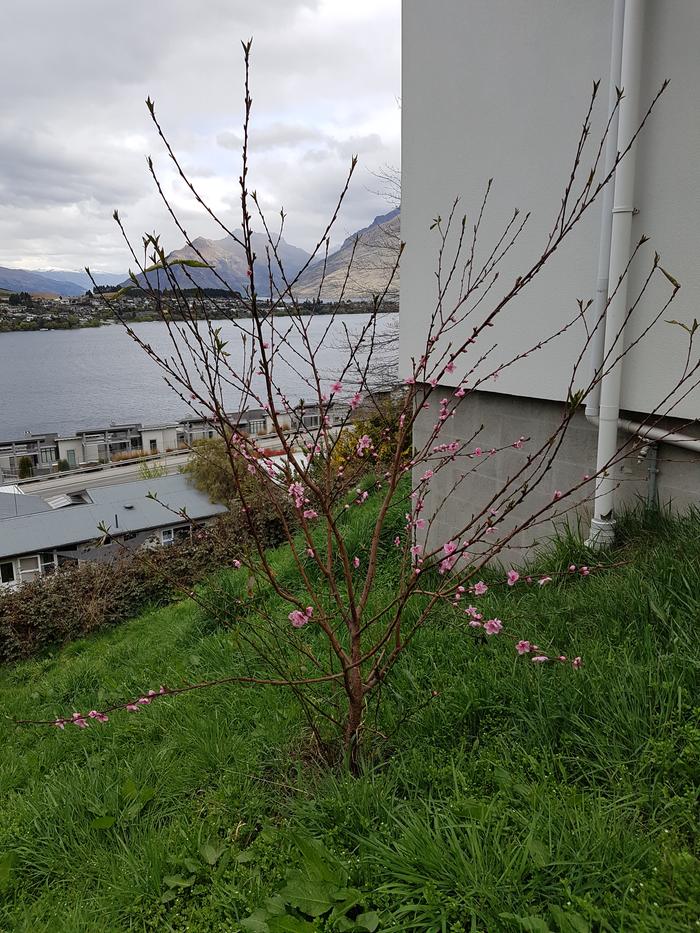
point(36, 283)
point(53, 281)
point(372, 263)
point(229, 262)
point(83, 279)
point(375, 253)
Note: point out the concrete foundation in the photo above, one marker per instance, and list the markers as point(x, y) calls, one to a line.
point(505, 418)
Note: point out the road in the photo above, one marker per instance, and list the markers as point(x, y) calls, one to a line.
point(100, 476)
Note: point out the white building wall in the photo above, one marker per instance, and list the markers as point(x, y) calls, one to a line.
point(164, 436)
point(498, 89)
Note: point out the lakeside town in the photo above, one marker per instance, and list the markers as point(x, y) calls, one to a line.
point(21, 311)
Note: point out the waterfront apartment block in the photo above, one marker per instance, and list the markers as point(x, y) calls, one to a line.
point(43, 454)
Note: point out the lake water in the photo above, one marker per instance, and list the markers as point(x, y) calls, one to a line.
point(64, 380)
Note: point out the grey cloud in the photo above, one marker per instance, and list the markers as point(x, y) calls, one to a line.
point(38, 169)
point(74, 130)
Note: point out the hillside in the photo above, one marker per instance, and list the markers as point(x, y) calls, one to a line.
point(372, 263)
point(228, 259)
point(36, 283)
point(506, 797)
point(52, 281)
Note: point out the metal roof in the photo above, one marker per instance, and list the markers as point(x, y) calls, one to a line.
point(122, 508)
point(15, 504)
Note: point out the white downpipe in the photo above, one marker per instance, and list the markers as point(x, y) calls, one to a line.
point(603, 522)
point(601, 294)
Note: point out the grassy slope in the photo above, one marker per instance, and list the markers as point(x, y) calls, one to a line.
point(520, 792)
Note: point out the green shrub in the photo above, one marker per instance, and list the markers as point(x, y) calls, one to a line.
point(81, 599)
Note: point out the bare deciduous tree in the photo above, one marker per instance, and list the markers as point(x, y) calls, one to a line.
point(337, 645)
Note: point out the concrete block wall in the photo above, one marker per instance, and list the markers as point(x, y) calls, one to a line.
point(505, 418)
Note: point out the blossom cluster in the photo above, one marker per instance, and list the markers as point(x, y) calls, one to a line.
point(299, 618)
point(81, 720)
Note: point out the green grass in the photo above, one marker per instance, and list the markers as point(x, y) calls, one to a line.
point(521, 797)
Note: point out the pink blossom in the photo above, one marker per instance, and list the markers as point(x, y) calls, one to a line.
point(60, 723)
point(356, 562)
point(544, 580)
point(523, 647)
point(427, 475)
point(337, 387)
point(416, 549)
point(518, 444)
point(480, 588)
point(557, 494)
point(577, 662)
point(478, 451)
point(299, 618)
point(100, 717)
point(447, 564)
point(584, 571)
point(355, 401)
point(450, 368)
point(364, 443)
point(310, 552)
point(397, 541)
point(449, 547)
point(132, 707)
point(513, 577)
point(572, 568)
point(461, 392)
point(419, 523)
point(493, 626)
point(475, 623)
point(433, 382)
point(539, 658)
point(296, 491)
point(80, 722)
point(310, 514)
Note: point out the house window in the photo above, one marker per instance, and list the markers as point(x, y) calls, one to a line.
point(48, 563)
point(29, 568)
point(7, 572)
point(312, 421)
point(153, 444)
point(257, 427)
point(167, 536)
point(47, 455)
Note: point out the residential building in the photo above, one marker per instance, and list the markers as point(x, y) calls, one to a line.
point(39, 449)
point(100, 446)
point(37, 535)
point(499, 89)
point(159, 438)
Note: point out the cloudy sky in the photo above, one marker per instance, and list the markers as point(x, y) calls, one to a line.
point(74, 129)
